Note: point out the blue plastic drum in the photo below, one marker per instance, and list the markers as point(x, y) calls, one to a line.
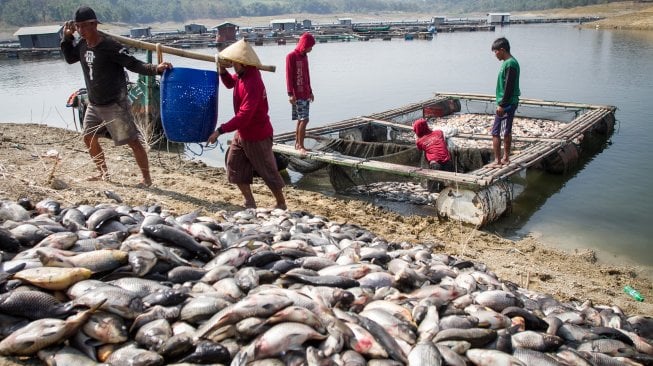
point(189, 104)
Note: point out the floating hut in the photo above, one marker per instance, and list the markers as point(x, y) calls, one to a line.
point(381, 147)
point(47, 36)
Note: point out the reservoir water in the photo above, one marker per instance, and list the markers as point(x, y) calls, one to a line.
point(602, 206)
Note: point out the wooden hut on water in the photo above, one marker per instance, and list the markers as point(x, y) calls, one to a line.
point(47, 36)
point(226, 32)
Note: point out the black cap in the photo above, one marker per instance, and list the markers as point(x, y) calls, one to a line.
point(84, 13)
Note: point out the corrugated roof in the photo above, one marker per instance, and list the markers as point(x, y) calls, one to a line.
point(284, 21)
point(45, 29)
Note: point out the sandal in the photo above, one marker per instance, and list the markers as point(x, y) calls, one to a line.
point(97, 178)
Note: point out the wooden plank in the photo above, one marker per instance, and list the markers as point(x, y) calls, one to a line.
point(529, 101)
point(471, 181)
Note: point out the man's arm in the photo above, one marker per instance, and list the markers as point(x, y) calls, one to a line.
point(509, 86)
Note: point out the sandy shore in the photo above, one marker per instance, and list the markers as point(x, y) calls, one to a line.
point(28, 169)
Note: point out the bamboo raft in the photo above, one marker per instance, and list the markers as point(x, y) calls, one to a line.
point(481, 195)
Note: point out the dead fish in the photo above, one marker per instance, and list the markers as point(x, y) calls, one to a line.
point(43, 333)
point(117, 301)
point(490, 357)
point(100, 216)
point(27, 235)
point(478, 337)
point(102, 260)
point(33, 305)
point(53, 278)
point(450, 357)
point(154, 334)
point(178, 238)
point(535, 358)
point(48, 206)
point(156, 312)
point(536, 341)
point(496, 300)
point(65, 356)
point(133, 356)
point(8, 324)
point(253, 305)
point(141, 261)
point(424, 353)
point(202, 308)
point(283, 337)
point(60, 240)
point(323, 280)
point(113, 195)
point(106, 328)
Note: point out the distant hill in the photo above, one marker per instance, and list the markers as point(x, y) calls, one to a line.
point(30, 12)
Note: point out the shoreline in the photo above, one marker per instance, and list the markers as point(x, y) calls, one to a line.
point(625, 15)
point(182, 186)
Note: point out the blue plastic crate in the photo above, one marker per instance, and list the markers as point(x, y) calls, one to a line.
point(189, 104)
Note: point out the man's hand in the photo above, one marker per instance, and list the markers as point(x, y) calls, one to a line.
point(292, 99)
point(69, 30)
point(214, 137)
point(160, 68)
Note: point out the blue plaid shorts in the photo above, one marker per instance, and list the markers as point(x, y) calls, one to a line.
point(300, 109)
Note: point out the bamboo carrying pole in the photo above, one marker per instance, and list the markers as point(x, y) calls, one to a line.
point(174, 51)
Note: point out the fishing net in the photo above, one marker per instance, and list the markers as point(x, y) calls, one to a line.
point(344, 177)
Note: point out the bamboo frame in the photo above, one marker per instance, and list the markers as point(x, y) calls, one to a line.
point(175, 51)
point(541, 147)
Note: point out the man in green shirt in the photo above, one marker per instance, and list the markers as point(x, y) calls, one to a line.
point(507, 98)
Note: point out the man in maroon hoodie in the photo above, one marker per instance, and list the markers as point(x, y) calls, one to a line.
point(434, 145)
point(298, 81)
point(251, 147)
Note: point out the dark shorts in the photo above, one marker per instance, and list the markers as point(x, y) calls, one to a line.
point(300, 110)
point(113, 120)
point(448, 166)
point(503, 125)
point(245, 157)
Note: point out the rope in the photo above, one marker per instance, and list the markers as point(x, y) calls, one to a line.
point(159, 53)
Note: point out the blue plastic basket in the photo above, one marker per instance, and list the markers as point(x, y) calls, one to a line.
point(189, 104)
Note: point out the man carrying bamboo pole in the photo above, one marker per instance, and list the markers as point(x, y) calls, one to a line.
point(103, 62)
point(507, 98)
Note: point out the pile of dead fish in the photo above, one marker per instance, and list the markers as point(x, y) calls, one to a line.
point(481, 124)
point(138, 286)
point(410, 192)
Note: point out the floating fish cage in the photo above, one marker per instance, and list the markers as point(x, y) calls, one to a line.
point(546, 135)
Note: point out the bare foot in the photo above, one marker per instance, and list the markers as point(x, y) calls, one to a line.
point(281, 207)
point(505, 161)
point(250, 205)
point(302, 150)
point(495, 164)
point(144, 184)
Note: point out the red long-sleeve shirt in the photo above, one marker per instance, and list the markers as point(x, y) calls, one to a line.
point(432, 142)
point(251, 118)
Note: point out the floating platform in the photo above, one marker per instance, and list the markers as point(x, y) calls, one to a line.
point(558, 133)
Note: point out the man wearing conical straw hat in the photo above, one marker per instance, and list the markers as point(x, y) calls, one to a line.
point(251, 147)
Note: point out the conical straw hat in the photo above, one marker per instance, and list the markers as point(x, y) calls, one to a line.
point(242, 53)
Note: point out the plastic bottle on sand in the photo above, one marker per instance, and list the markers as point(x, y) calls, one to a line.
point(633, 293)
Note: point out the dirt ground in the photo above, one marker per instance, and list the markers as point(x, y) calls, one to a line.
point(41, 162)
